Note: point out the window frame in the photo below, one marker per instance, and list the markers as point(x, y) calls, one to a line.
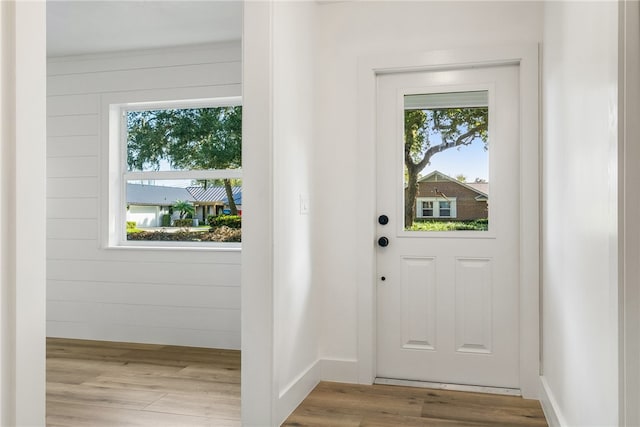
point(118, 174)
point(448, 208)
point(423, 209)
point(436, 207)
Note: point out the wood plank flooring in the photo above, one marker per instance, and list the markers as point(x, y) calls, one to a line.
point(108, 384)
point(338, 405)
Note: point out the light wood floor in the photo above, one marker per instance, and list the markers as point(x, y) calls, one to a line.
point(338, 405)
point(107, 384)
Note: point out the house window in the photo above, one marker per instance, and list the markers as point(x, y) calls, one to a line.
point(175, 173)
point(427, 208)
point(444, 208)
point(436, 207)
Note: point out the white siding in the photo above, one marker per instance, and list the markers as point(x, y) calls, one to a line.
point(184, 297)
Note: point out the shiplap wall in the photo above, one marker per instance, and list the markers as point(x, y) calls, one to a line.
point(182, 297)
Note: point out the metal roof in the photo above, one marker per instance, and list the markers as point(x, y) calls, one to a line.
point(215, 194)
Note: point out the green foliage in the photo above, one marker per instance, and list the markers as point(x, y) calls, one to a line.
point(432, 225)
point(220, 234)
point(453, 126)
point(196, 138)
point(192, 138)
point(166, 220)
point(184, 222)
point(185, 208)
point(231, 221)
point(132, 227)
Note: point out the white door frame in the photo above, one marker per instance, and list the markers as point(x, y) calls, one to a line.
point(526, 56)
point(629, 206)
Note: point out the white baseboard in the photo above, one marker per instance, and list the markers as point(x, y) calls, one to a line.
point(295, 392)
point(345, 371)
point(339, 370)
point(550, 405)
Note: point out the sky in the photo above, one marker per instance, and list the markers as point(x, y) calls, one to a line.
point(472, 161)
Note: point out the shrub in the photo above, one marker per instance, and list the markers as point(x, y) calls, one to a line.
point(131, 225)
point(231, 221)
point(441, 225)
point(182, 222)
point(220, 234)
point(166, 220)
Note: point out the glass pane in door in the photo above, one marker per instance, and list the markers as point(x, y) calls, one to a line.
point(446, 161)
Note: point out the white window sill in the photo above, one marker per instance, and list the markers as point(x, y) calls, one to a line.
point(230, 247)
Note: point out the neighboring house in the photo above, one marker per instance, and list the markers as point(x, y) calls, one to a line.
point(214, 201)
point(146, 204)
point(441, 197)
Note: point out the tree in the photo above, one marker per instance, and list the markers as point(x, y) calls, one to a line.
point(184, 208)
point(454, 127)
point(195, 139)
point(461, 178)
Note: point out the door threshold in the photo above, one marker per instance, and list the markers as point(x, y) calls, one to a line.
point(444, 386)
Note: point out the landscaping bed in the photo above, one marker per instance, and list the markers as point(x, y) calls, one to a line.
point(216, 234)
point(477, 225)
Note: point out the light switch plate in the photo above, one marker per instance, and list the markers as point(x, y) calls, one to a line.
point(304, 204)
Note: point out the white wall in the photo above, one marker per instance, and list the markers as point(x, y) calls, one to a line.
point(349, 31)
point(182, 297)
point(579, 235)
point(280, 332)
point(22, 220)
point(295, 297)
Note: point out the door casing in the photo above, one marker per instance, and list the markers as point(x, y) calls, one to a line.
point(526, 56)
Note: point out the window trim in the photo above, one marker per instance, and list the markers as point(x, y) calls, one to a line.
point(436, 207)
point(115, 133)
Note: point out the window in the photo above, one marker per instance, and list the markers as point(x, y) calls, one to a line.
point(427, 208)
point(444, 208)
point(445, 141)
point(436, 207)
point(175, 173)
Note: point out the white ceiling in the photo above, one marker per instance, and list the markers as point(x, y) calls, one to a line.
point(87, 26)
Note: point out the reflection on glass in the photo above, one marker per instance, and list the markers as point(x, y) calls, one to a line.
point(184, 210)
point(446, 162)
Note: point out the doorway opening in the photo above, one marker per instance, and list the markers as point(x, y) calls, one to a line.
point(156, 306)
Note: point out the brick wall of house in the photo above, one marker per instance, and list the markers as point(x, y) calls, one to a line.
point(467, 207)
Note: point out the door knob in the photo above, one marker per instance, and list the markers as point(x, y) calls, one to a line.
point(383, 241)
point(383, 220)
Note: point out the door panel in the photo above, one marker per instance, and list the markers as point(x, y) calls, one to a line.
point(473, 305)
point(447, 309)
point(418, 303)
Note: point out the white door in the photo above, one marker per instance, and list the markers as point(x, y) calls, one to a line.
point(447, 301)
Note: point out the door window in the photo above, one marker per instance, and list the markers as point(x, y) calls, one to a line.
point(446, 161)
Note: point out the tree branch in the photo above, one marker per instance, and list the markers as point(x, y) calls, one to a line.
point(464, 139)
